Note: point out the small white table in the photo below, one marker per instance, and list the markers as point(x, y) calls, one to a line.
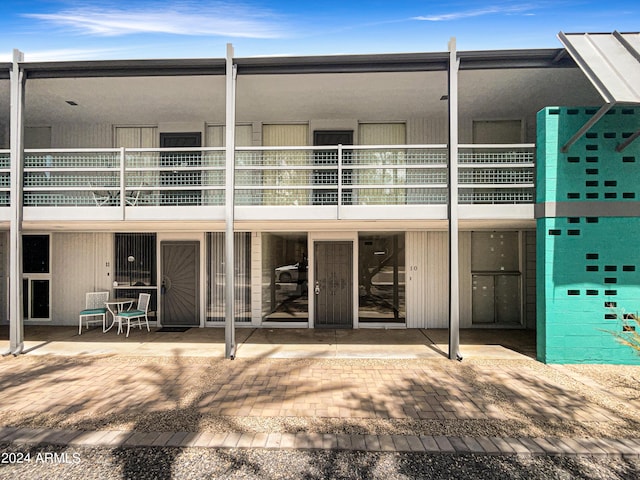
point(116, 306)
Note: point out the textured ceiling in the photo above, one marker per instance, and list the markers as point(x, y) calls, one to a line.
point(485, 94)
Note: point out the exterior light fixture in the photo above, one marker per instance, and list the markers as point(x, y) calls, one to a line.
point(131, 259)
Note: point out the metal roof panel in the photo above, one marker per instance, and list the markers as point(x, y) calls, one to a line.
point(611, 61)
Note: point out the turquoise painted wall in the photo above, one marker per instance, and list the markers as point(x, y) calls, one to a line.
point(588, 268)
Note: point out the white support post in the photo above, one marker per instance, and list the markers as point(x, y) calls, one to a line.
point(229, 310)
point(16, 314)
point(454, 281)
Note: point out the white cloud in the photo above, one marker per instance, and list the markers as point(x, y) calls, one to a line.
point(214, 19)
point(63, 54)
point(491, 10)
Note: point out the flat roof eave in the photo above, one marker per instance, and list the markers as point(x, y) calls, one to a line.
point(400, 62)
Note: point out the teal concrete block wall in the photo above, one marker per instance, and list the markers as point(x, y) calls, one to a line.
point(592, 170)
point(588, 267)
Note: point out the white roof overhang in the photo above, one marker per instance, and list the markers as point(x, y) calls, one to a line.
point(611, 61)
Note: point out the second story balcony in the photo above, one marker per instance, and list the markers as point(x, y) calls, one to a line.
point(382, 182)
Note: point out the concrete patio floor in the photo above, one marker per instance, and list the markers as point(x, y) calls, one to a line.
point(278, 343)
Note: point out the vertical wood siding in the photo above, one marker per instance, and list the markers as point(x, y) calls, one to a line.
point(256, 278)
point(464, 259)
point(427, 280)
point(530, 279)
point(64, 135)
point(4, 277)
point(215, 136)
point(427, 130)
point(78, 265)
point(136, 137)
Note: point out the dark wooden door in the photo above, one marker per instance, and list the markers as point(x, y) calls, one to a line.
point(333, 285)
point(180, 283)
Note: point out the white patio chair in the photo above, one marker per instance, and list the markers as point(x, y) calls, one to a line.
point(100, 197)
point(131, 198)
point(94, 307)
point(135, 317)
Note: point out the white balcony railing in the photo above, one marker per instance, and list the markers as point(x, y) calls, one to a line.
point(496, 174)
point(273, 176)
point(5, 177)
point(353, 175)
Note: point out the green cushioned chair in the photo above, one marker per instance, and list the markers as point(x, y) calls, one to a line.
point(94, 309)
point(135, 317)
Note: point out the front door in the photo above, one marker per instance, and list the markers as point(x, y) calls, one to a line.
point(176, 174)
point(180, 283)
point(333, 284)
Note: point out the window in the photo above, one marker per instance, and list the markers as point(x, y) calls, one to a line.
point(35, 255)
point(383, 163)
point(135, 266)
point(36, 278)
point(381, 277)
point(284, 277)
point(135, 259)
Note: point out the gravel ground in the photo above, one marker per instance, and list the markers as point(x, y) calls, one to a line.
point(193, 463)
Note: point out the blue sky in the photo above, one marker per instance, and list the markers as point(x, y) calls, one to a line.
point(73, 30)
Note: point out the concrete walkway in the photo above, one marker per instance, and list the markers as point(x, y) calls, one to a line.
point(364, 390)
point(326, 441)
point(277, 343)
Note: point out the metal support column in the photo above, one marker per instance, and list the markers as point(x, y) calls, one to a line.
point(16, 314)
point(454, 282)
point(229, 302)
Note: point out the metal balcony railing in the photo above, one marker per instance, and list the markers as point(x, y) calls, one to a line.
point(5, 178)
point(496, 174)
point(344, 175)
point(273, 176)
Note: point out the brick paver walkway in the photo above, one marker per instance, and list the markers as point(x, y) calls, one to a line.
point(437, 390)
point(89, 395)
point(326, 441)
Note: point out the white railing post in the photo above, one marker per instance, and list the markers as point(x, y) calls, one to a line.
point(340, 152)
point(123, 179)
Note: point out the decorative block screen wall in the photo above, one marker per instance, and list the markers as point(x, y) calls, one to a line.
point(588, 267)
